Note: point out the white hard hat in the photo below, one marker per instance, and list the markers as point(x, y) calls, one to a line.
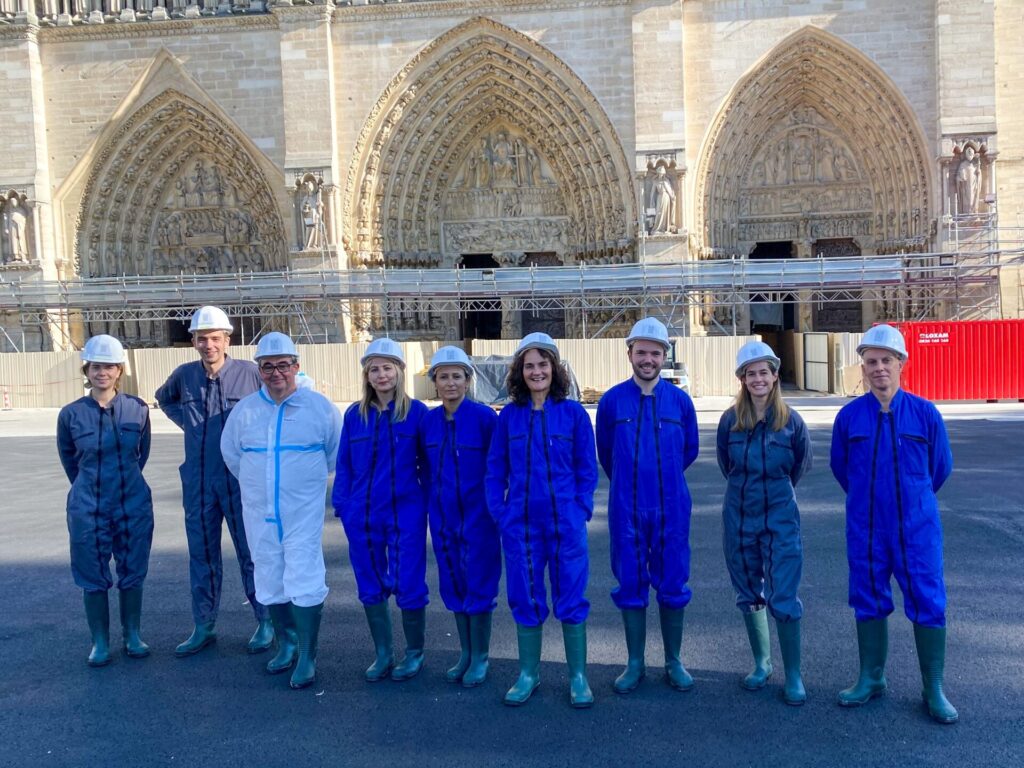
point(275, 344)
point(649, 329)
point(884, 337)
point(384, 347)
point(449, 356)
point(210, 319)
point(104, 349)
point(537, 340)
point(755, 352)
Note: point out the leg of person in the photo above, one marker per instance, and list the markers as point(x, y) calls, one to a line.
point(452, 586)
point(91, 542)
point(670, 574)
point(920, 577)
point(202, 530)
point(287, 638)
point(411, 595)
point(629, 551)
point(455, 673)
point(269, 584)
point(783, 557)
point(131, 552)
point(305, 581)
point(524, 578)
point(230, 501)
point(368, 554)
point(870, 597)
point(746, 571)
point(569, 566)
point(481, 551)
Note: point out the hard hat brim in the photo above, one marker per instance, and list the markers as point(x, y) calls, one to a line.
point(433, 369)
point(776, 364)
point(862, 348)
point(366, 358)
point(633, 339)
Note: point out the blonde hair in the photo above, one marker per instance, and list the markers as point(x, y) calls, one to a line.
point(746, 413)
point(369, 397)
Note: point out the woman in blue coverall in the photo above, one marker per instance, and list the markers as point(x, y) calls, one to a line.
point(541, 476)
point(379, 496)
point(456, 436)
point(763, 451)
point(103, 440)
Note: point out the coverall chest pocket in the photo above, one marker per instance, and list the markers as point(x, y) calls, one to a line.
point(780, 455)
point(560, 450)
point(360, 453)
point(672, 437)
point(130, 435)
point(859, 450)
point(737, 452)
point(914, 454)
point(83, 437)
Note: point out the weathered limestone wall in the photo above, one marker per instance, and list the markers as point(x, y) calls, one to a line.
point(1009, 108)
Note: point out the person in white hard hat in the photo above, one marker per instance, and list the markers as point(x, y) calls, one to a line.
point(198, 397)
point(281, 443)
point(891, 455)
point(541, 476)
point(763, 451)
point(456, 436)
point(646, 438)
point(379, 495)
point(103, 440)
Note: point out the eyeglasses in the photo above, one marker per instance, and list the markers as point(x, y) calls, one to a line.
point(267, 369)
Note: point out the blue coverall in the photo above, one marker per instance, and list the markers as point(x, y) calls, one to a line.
point(760, 517)
point(466, 542)
point(110, 508)
point(200, 405)
point(379, 496)
point(541, 476)
point(645, 443)
point(891, 465)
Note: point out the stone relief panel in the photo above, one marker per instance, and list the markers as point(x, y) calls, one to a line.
point(968, 173)
point(507, 235)
point(16, 237)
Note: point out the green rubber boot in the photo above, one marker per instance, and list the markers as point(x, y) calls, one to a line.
point(873, 648)
point(202, 636)
point(931, 655)
point(672, 636)
point(130, 602)
point(635, 624)
point(575, 637)
point(760, 645)
point(793, 692)
point(263, 638)
point(97, 614)
point(454, 674)
point(307, 628)
point(287, 638)
point(379, 618)
point(480, 646)
point(414, 624)
point(530, 641)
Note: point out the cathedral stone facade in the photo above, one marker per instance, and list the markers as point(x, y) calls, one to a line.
point(159, 137)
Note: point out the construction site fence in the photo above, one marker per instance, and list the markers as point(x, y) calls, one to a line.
point(53, 379)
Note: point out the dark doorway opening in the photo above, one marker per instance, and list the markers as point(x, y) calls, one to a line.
point(552, 320)
point(483, 322)
point(772, 319)
point(838, 316)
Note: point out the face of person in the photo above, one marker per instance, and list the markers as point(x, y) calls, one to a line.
point(537, 371)
point(882, 370)
point(452, 383)
point(382, 373)
point(211, 345)
point(646, 357)
point(278, 373)
point(759, 378)
point(103, 377)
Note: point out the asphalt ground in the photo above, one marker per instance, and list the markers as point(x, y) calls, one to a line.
point(220, 709)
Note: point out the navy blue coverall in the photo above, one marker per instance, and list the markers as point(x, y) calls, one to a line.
point(466, 542)
point(379, 496)
point(200, 405)
point(891, 465)
point(760, 517)
point(110, 508)
point(645, 443)
point(541, 476)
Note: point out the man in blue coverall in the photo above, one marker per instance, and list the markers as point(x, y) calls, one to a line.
point(890, 453)
point(198, 397)
point(646, 438)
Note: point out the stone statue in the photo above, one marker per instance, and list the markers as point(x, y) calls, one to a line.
point(213, 188)
point(502, 163)
point(483, 168)
point(968, 181)
point(194, 187)
point(16, 232)
point(311, 208)
point(803, 160)
point(664, 197)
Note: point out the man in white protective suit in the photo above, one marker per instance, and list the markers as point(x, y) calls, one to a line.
point(281, 442)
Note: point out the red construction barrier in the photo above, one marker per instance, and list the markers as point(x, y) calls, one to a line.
point(965, 360)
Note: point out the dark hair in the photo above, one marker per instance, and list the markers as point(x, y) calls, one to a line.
point(515, 382)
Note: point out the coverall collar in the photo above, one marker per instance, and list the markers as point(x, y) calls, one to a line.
point(894, 404)
point(265, 394)
point(639, 391)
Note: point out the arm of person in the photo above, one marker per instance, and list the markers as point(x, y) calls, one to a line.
point(605, 434)
point(940, 455)
point(692, 432)
point(722, 443)
point(231, 440)
point(838, 453)
point(496, 476)
point(332, 437)
point(343, 466)
point(585, 461)
point(169, 398)
point(145, 439)
point(801, 449)
point(66, 447)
